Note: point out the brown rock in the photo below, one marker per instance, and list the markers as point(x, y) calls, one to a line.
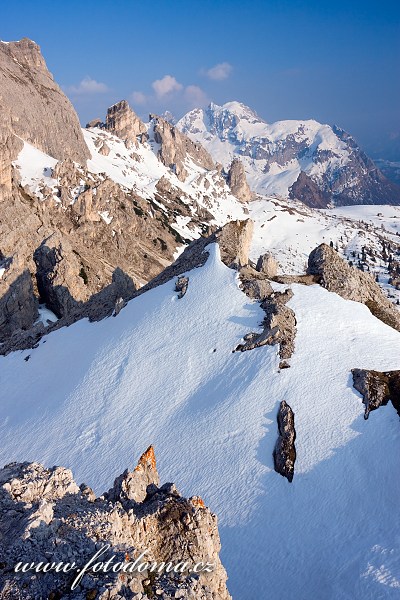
point(268, 265)
point(237, 181)
point(336, 275)
point(285, 450)
point(123, 122)
point(234, 241)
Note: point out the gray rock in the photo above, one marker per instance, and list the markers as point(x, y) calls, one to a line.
point(336, 275)
point(285, 450)
point(377, 388)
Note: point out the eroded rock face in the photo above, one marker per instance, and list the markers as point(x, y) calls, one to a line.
point(122, 121)
point(39, 111)
point(285, 450)
point(45, 516)
point(377, 388)
point(237, 181)
point(176, 148)
point(18, 304)
point(268, 265)
point(309, 192)
point(234, 241)
point(352, 284)
point(60, 277)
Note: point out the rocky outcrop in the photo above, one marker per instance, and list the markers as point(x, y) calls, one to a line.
point(267, 265)
point(124, 123)
point(176, 148)
point(279, 326)
point(234, 241)
point(309, 192)
point(336, 275)
point(237, 181)
point(39, 112)
point(181, 286)
point(285, 451)
point(18, 304)
point(60, 277)
point(377, 388)
point(46, 517)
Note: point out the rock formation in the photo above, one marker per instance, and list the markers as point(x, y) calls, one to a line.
point(377, 388)
point(237, 181)
point(267, 264)
point(38, 110)
point(124, 123)
point(176, 148)
point(46, 517)
point(336, 275)
point(181, 286)
point(234, 241)
point(285, 450)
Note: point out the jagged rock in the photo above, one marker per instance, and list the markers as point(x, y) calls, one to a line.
point(377, 388)
point(18, 304)
point(40, 113)
point(181, 286)
point(285, 450)
point(123, 122)
point(279, 315)
point(237, 181)
point(133, 485)
point(176, 148)
point(256, 340)
point(104, 150)
point(309, 192)
point(255, 284)
point(268, 265)
point(45, 516)
point(234, 241)
point(95, 123)
point(61, 281)
point(336, 275)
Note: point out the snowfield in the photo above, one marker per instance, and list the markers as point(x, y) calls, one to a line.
point(93, 396)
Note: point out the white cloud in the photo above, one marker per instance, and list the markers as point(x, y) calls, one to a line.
point(196, 97)
point(165, 86)
point(220, 71)
point(139, 98)
point(87, 87)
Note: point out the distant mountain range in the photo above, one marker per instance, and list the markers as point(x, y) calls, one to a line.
point(318, 164)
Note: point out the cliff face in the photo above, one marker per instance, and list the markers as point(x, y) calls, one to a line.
point(44, 511)
point(39, 112)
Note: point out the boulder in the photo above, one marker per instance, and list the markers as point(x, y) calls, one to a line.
point(268, 265)
point(237, 181)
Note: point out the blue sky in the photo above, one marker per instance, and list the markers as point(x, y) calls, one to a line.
point(337, 62)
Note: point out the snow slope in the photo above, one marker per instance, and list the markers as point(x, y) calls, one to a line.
point(94, 395)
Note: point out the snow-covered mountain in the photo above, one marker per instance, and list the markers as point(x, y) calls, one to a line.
point(307, 160)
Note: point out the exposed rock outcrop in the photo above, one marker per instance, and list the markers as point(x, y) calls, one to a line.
point(237, 181)
point(176, 148)
point(181, 286)
point(285, 450)
point(309, 192)
point(39, 111)
point(268, 265)
point(18, 304)
point(377, 388)
point(46, 517)
point(336, 275)
point(234, 241)
point(122, 121)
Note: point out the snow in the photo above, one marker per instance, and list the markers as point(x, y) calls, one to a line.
point(233, 129)
point(2, 271)
point(211, 415)
point(35, 168)
point(46, 315)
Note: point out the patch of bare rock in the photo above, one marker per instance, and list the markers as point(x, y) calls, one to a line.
point(285, 451)
point(46, 516)
point(336, 275)
point(377, 388)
